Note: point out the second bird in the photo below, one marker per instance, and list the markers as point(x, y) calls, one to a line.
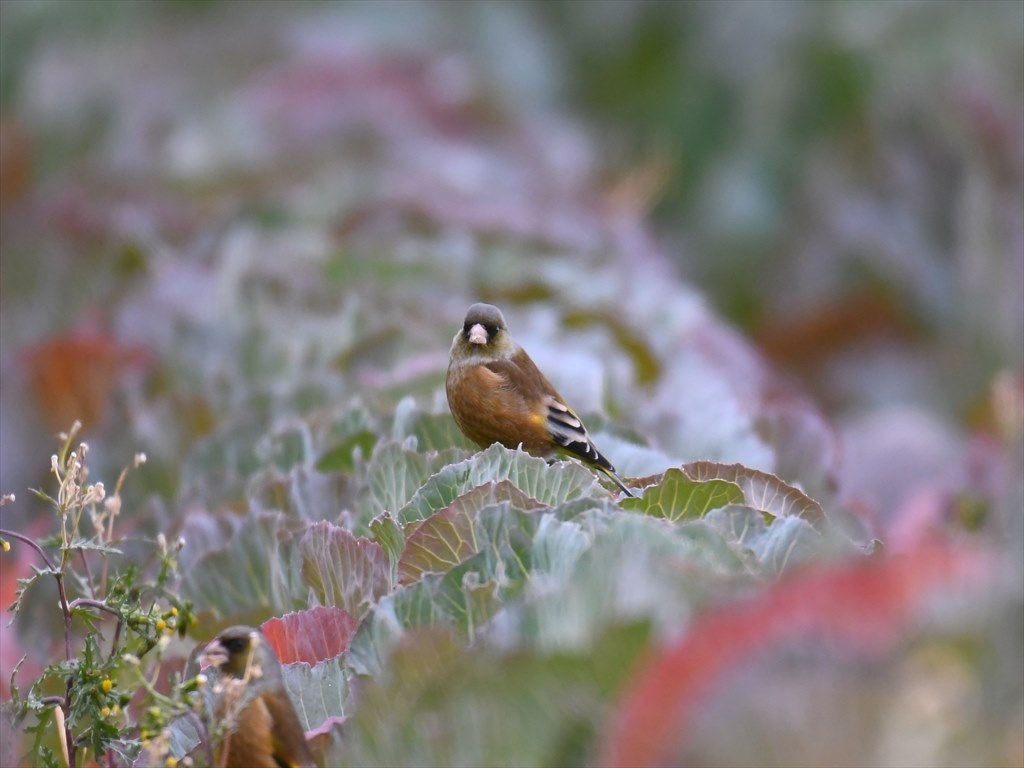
point(497, 394)
point(263, 729)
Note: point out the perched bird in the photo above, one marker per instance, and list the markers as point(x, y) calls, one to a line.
point(497, 394)
point(263, 730)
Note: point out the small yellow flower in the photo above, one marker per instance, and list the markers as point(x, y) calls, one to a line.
point(171, 761)
point(174, 611)
point(161, 625)
point(105, 711)
point(6, 545)
point(106, 685)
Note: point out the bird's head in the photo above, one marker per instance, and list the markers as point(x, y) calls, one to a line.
point(483, 333)
point(235, 651)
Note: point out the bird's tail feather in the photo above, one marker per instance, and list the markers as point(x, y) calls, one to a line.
point(618, 481)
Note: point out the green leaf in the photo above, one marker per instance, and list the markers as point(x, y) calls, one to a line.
point(438, 544)
point(738, 523)
point(92, 545)
point(395, 473)
point(448, 537)
point(342, 570)
point(632, 568)
point(784, 543)
point(341, 456)
point(250, 577)
point(318, 692)
point(347, 433)
point(548, 484)
point(431, 431)
point(458, 599)
point(443, 703)
point(301, 492)
point(465, 597)
point(788, 541)
point(388, 533)
point(677, 497)
point(217, 469)
point(23, 585)
point(593, 514)
point(556, 547)
point(286, 446)
point(761, 490)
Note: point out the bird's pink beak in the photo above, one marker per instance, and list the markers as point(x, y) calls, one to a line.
point(477, 334)
point(213, 655)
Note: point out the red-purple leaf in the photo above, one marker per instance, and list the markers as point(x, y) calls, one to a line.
point(73, 376)
point(310, 636)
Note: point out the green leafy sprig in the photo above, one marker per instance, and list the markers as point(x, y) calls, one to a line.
point(124, 617)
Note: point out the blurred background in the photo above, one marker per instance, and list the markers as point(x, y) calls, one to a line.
point(842, 182)
point(785, 234)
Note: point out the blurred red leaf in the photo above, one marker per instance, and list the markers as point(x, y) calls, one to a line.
point(73, 376)
point(861, 608)
point(804, 339)
point(311, 636)
point(15, 564)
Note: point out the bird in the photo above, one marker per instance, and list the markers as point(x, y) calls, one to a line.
point(262, 730)
point(497, 394)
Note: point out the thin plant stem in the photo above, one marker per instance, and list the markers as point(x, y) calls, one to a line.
point(26, 540)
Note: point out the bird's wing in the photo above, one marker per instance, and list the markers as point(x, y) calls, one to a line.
point(568, 431)
point(562, 424)
point(549, 423)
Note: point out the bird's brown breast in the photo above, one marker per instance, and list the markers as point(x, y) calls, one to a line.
point(265, 732)
point(489, 407)
point(250, 743)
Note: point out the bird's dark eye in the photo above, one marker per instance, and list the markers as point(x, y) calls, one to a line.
point(235, 644)
point(491, 331)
